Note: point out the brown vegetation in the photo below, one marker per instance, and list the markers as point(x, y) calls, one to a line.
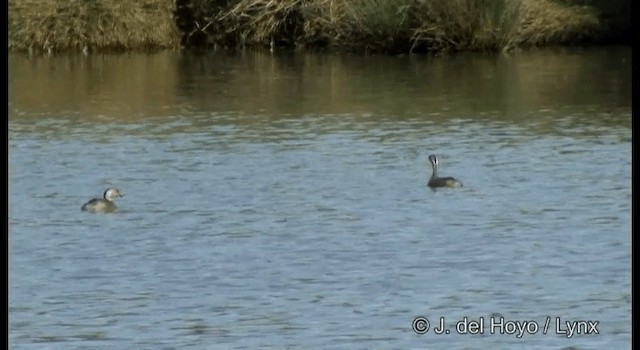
point(392, 26)
point(62, 25)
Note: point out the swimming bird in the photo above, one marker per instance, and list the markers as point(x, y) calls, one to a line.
point(436, 181)
point(103, 205)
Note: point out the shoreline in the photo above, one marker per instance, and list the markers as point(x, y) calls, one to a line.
point(357, 26)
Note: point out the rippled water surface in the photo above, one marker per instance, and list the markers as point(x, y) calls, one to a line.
point(281, 202)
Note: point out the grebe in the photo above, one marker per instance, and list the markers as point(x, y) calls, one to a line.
point(436, 181)
point(103, 205)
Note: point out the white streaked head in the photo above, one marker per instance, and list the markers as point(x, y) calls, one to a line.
point(434, 161)
point(112, 193)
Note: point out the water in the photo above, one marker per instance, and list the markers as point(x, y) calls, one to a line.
point(281, 202)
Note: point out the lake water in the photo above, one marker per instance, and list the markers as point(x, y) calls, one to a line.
point(280, 202)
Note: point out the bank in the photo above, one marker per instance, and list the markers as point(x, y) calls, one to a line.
point(386, 26)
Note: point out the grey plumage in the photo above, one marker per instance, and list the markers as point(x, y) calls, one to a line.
point(436, 181)
point(105, 204)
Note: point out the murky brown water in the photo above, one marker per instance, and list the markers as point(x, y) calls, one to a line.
point(281, 202)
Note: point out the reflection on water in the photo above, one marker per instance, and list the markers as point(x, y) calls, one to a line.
point(507, 87)
point(282, 201)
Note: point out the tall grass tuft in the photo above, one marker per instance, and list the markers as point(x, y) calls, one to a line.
point(500, 24)
point(264, 21)
point(372, 25)
point(59, 25)
point(549, 22)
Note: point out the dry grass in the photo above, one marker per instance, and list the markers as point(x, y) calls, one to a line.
point(501, 24)
point(392, 26)
point(403, 25)
point(459, 24)
point(59, 25)
point(541, 23)
point(261, 21)
point(373, 25)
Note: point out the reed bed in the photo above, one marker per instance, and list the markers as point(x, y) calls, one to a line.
point(390, 26)
point(397, 26)
point(63, 25)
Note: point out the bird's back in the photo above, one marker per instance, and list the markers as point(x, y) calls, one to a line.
point(98, 205)
point(444, 182)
